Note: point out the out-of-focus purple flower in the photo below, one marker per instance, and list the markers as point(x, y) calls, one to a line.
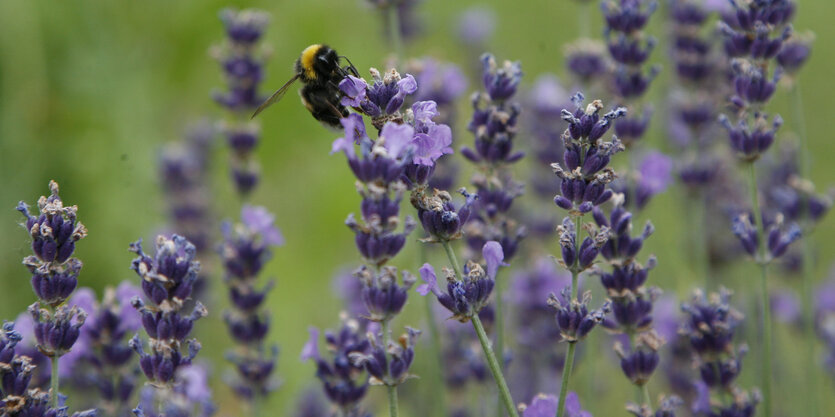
point(750, 142)
point(476, 25)
point(344, 382)
point(440, 82)
point(383, 297)
point(786, 306)
point(778, 237)
point(639, 362)
point(586, 60)
point(546, 406)
point(261, 222)
point(794, 53)
point(500, 82)
point(655, 171)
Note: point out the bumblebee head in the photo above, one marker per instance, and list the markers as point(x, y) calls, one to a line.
point(317, 62)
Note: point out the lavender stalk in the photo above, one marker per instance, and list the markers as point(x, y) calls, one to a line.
point(54, 278)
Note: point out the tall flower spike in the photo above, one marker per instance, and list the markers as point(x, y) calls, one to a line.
point(709, 326)
point(243, 66)
point(244, 251)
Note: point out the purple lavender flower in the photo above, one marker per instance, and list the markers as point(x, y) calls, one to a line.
point(794, 53)
point(778, 237)
point(494, 119)
point(106, 361)
point(587, 61)
point(242, 65)
point(410, 26)
point(18, 398)
point(710, 327)
point(441, 220)
point(167, 281)
point(242, 68)
point(383, 297)
point(344, 382)
point(440, 82)
point(574, 319)
point(640, 361)
point(382, 99)
point(476, 25)
point(191, 397)
point(54, 233)
point(576, 254)
point(584, 172)
point(546, 406)
point(465, 296)
point(245, 249)
point(750, 142)
point(388, 364)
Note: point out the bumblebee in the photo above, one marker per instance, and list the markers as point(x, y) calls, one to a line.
point(319, 69)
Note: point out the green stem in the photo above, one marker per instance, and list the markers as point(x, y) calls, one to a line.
point(452, 259)
point(499, 323)
point(392, 400)
point(394, 30)
point(647, 400)
point(567, 368)
point(504, 391)
point(492, 363)
point(54, 378)
point(392, 389)
point(766, 304)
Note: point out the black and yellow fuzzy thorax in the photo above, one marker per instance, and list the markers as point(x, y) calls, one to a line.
point(317, 64)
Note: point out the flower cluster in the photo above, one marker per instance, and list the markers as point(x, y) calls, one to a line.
point(54, 233)
point(630, 48)
point(245, 249)
point(242, 65)
point(167, 281)
point(57, 325)
point(382, 99)
point(777, 240)
point(106, 362)
point(344, 381)
point(494, 124)
point(585, 172)
point(494, 118)
point(465, 296)
point(389, 363)
point(574, 319)
point(710, 326)
point(17, 397)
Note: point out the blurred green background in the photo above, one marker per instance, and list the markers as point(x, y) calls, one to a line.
point(90, 90)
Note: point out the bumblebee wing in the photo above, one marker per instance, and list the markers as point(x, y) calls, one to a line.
point(276, 96)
